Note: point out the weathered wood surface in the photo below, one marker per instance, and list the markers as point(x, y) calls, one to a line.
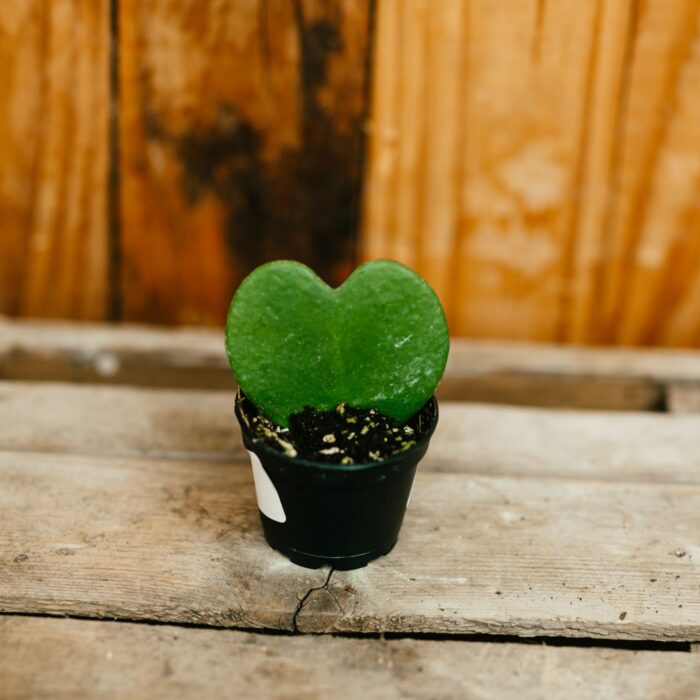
point(54, 154)
point(470, 438)
point(628, 446)
point(118, 421)
point(529, 557)
point(75, 659)
point(168, 541)
point(516, 373)
point(227, 168)
point(180, 541)
point(118, 354)
point(540, 213)
point(661, 365)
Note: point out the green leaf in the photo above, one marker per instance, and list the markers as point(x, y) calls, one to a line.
point(378, 341)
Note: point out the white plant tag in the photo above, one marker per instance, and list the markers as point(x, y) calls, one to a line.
point(268, 498)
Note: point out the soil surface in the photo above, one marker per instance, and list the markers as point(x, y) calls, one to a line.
point(344, 436)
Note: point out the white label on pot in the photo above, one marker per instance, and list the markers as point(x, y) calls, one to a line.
point(268, 498)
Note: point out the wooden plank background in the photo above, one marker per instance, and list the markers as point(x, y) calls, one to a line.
point(54, 157)
point(538, 162)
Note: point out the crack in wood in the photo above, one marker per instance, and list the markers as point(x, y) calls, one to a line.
point(303, 601)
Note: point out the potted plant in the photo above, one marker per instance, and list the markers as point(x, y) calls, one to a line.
point(335, 402)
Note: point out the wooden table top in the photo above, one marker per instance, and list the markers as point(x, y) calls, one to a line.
point(126, 496)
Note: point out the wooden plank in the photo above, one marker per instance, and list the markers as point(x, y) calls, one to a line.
point(169, 541)
point(491, 440)
point(79, 658)
point(54, 144)
point(528, 557)
point(475, 439)
point(518, 373)
point(227, 167)
point(119, 421)
point(180, 541)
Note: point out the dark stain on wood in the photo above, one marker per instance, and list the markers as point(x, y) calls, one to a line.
point(303, 204)
point(329, 168)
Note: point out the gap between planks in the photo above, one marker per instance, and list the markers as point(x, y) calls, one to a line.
point(518, 373)
point(630, 645)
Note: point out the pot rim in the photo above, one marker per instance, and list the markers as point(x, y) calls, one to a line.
point(327, 466)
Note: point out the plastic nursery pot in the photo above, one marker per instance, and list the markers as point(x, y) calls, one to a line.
point(342, 515)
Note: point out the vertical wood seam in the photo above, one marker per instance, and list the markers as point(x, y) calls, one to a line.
point(565, 318)
point(114, 254)
point(617, 158)
point(419, 233)
point(537, 34)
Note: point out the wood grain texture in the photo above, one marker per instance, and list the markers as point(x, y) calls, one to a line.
point(534, 374)
point(54, 148)
point(474, 439)
point(119, 421)
point(499, 440)
point(492, 554)
point(650, 290)
point(80, 659)
point(241, 143)
point(538, 162)
point(155, 540)
point(180, 542)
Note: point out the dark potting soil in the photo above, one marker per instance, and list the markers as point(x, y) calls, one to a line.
point(344, 436)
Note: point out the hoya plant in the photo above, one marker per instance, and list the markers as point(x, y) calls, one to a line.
point(380, 341)
point(336, 403)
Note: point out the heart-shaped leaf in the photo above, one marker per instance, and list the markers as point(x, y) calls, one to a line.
point(378, 341)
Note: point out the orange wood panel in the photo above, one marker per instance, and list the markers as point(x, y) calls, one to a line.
point(539, 162)
point(54, 147)
point(241, 142)
point(480, 164)
point(637, 253)
point(652, 293)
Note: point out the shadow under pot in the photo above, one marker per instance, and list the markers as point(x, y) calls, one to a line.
point(342, 515)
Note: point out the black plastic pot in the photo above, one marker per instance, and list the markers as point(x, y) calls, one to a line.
point(343, 515)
